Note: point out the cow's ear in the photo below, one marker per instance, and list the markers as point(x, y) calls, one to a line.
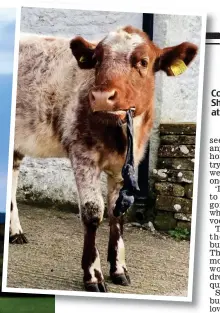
point(83, 52)
point(175, 60)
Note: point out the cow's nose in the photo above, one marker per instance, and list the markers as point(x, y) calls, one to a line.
point(103, 100)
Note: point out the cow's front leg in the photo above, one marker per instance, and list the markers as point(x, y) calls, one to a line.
point(16, 232)
point(116, 250)
point(91, 211)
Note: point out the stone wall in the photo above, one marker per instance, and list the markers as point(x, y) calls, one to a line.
point(50, 184)
point(174, 176)
point(175, 97)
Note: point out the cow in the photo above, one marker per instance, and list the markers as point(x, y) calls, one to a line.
point(72, 98)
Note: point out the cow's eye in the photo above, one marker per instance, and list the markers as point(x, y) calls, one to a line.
point(144, 63)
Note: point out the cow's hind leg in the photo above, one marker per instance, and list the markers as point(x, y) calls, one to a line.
point(91, 211)
point(16, 232)
point(116, 250)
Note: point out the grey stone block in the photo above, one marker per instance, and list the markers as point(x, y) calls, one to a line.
point(173, 204)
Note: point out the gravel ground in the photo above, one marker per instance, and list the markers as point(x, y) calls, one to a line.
point(52, 258)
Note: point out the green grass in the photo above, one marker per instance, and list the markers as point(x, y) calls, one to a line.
point(27, 304)
point(180, 234)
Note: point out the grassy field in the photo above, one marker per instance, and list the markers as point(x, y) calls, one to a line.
point(27, 304)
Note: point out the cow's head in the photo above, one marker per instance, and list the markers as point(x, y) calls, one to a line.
point(125, 64)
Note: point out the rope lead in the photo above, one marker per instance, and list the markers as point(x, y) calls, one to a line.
point(130, 187)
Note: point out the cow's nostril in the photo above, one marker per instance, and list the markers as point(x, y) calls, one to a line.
point(112, 96)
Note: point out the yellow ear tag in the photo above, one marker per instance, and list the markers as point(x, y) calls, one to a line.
point(178, 67)
point(82, 59)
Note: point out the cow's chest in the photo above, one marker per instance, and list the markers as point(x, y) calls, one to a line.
point(113, 162)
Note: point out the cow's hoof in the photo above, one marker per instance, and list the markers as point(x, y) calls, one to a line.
point(18, 239)
point(102, 287)
point(121, 279)
point(93, 287)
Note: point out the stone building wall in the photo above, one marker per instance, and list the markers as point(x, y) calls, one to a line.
point(174, 176)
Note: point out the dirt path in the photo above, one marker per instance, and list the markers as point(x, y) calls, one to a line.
point(52, 258)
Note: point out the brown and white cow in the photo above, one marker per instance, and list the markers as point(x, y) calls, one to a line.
point(72, 98)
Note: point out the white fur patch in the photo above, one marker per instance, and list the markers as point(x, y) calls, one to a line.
point(15, 226)
point(120, 259)
point(122, 41)
point(138, 152)
point(95, 266)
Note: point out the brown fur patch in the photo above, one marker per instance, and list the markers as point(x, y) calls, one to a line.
point(17, 160)
point(116, 231)
point(89, 251)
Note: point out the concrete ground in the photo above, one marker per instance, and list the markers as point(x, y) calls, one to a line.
point(52, 258)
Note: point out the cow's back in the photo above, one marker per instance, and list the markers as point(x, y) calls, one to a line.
point(47, 76)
